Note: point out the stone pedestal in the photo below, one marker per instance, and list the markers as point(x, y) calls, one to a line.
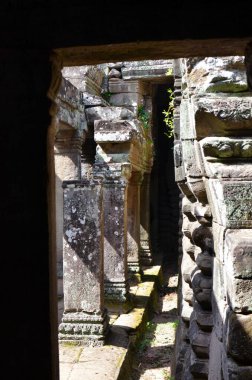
point(84, 320)
point(133, 234)
point(145, 249)
point(67, 156)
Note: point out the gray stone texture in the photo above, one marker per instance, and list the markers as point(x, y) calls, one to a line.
point(84, 319)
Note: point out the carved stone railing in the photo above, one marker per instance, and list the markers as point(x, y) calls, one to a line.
point(119, 157)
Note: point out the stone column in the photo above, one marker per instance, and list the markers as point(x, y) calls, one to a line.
point(133, 223)
point(145, 244)
point(67, 153)
point(84, 320)
point(115, 232)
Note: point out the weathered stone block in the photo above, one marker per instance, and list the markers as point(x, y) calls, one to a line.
point(231, 203)
point(200, 340)
point(108, 114)
point(232, 371)
point(198, 367)
point(239, 293)
point(203, 317)
point(132, 99)
point(186, 311)
point(146, 71)
point(202, 289)
point(187, 267)
point(187, 292)
point(187, 130)
point(238, 253)
point(205, 262)
point(130, 86)
point(222, 116)
point(239, 338)
point(114, 131)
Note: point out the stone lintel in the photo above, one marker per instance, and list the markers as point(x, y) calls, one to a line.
point(130, 86)
point(146, 71)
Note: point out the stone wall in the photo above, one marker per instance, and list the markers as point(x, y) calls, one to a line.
point(213, 170)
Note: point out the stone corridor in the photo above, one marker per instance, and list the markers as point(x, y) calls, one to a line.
point(118, 207)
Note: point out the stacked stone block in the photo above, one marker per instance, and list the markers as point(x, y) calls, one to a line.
point(213, 170)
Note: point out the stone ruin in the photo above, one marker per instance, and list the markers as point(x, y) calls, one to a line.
point(212, 156)
point(104, 156)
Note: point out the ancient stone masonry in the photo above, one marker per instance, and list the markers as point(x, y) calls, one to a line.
point(70, 134)
point(104, 151)
point(212, 153)
point(85, 319)
point(118, 153)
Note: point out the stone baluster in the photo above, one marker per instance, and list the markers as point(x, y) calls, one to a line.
point(133, 234)
point(145, 243)
point(84, 319)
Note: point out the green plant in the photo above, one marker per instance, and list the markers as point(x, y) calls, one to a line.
point(106, 95)
point(175, 324)
point(148, 337)
point(143, 116)
point(168, 119)
point(167, 376)
point(169, 72)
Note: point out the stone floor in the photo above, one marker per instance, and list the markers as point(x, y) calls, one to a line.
point(138, 338)
point(154, 354)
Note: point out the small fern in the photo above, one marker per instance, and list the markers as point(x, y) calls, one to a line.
point(168, 119)
point(143, 116)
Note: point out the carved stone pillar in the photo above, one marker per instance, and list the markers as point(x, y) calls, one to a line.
point(67, 153)
point(145, 244)
point(115, 232)
point(84, 320)
point(133, 235)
